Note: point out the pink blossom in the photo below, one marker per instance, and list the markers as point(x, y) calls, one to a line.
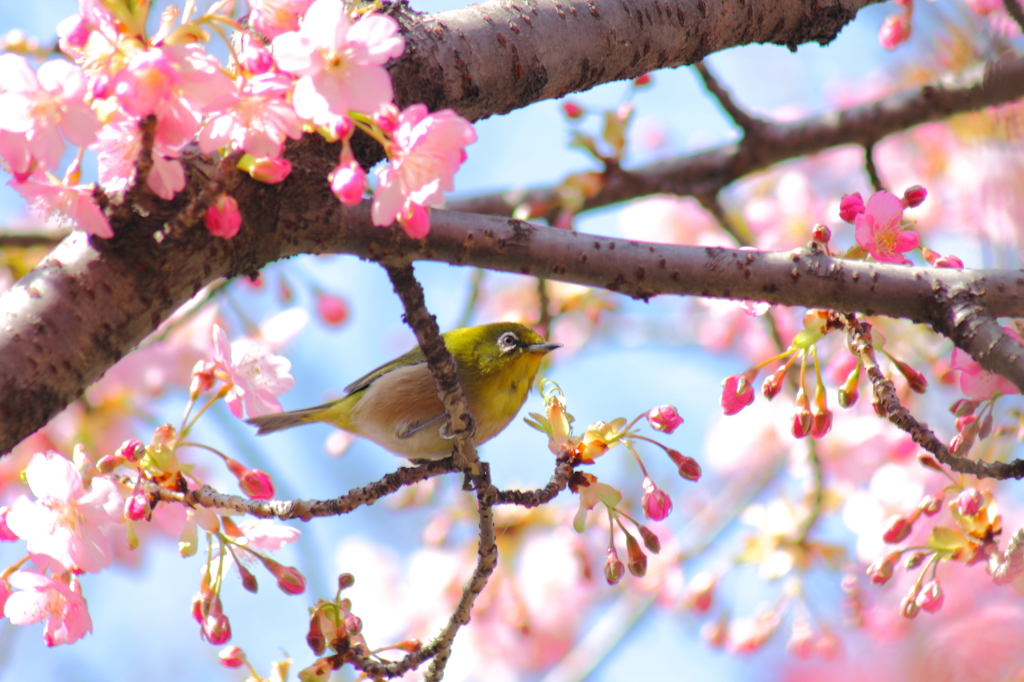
point(266, 536)
point(931, 597)
point(222, 217)
point(914, 196)
point(980, 384)
point(274, 17)
point(970, 501)
point(118, 145)
point(6, 534)
point(257, 377)
point(39, 107)
point(232, 657)
point(71, 205)
point(895, 30)
point(166, 178)
point(178, 83)
point(664, 418)
point(65, 528)
point(256, 121)
point(270, 170)
point(41, 597)
point(879, 231)
point(339, 62)
point(428, 149)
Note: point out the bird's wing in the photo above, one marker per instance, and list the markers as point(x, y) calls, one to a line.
point(413, 357)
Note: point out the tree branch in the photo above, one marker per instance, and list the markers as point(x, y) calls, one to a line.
point(986, 85)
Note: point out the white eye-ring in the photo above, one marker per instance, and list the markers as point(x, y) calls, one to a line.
point(507, 342)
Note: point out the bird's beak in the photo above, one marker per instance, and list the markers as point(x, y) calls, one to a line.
point(542, 347)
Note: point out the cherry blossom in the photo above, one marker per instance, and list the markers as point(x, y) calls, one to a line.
point(41, 597)
point(339, 61)
point(880, 232)
point(65, 528)
point(427, 151)
point(39, 107)
point(72, 205)
point(257, 121)
point(274, 17)
point(256, 376)
point(980, 384)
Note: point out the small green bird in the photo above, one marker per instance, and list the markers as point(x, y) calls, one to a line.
point(396, 405)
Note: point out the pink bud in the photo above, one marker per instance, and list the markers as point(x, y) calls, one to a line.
point(348, 182)
point(6, 534)
point(613, 567)
point(345, 581)
point(895, 30)
point(108, 463)
point(572, 110)
point(655, 502)
point(232, 657)
point(931, 597)
point(270, 170)
point(256, 484)
point(916, 380)
point(288, 578)
point(821, 234)
point(897, 529)
point(353, 624)
point(664, 418)
point(651, 541)
point(737, 393)
point(909, 607)
point(254, 56)
point(949, 262)
point(643, 80)
point(821, 421)
point(970, 501)
point(964, 407)
point(222, 218)
point(136, 506)
point(132, 450)
point(215, 626)
point(688, 466)
point(332, 309)
point(914, 196)
point(851, 206)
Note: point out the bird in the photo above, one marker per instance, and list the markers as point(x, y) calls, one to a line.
point(397, 407)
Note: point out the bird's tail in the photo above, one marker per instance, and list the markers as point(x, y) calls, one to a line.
point(269, 423)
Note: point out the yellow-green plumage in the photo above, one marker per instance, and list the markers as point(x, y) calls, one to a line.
point(396, 405)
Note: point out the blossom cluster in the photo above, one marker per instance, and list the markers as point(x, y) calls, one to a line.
point(78, 513)
point(322, 69)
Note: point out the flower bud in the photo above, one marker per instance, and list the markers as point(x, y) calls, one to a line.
point(964, 407)
point(821, 234)
point(319, 671)
point(897, 529)
point(881, 569)
point(232, 657)
point(930, 505)
point(132, 450)
point(737, 392)
point(386, 118)
point(915, 560)
point(270, 170)
point(655, 502)
point(916, 380)
point(931, 597)
point(970, 501)
point(136, 506)
point(664, 418)
point(909, 607)
point(651, 541)
point(256, 485)
point(315, 635)
point(353, 624)
point(346, 580)
point(108, 463)
point(348, 182)
point(821, 420)
point(802, 418)
point(950, 261)
point(926, 460)
point(914, 196)
point(613, 568)
point(215, 626)
point(985, 426)
point(408, 645)
point(636, 558)
point(641, 81)
point(332, 309)
point(688, 466)
point(848, 393)
point(248, 579)
point(773, 384)
point(851, 206)
point(163, 436)
point(222, 217)
point(895, 30)
point(289, 579)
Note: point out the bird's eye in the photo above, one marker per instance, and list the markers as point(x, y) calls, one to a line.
point(507, 342)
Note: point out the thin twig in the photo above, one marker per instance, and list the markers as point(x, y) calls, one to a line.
point(750, 124)
point(871, 168)
point(205, 496)
point(886, 396)
point(534, 498)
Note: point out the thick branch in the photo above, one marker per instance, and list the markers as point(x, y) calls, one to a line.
point(699, 174)
point(90, 302)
